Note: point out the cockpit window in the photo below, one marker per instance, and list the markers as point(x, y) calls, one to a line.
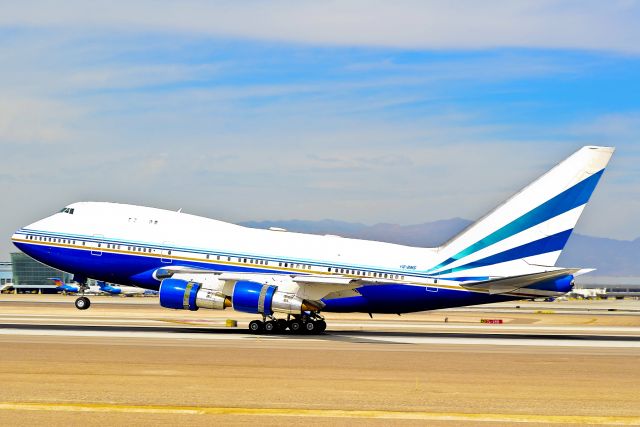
point(67, 210)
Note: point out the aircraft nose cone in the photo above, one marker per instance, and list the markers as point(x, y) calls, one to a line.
point(17, 238)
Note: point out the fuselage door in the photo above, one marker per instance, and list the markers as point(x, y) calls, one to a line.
point(166, 253)
point(98, 242)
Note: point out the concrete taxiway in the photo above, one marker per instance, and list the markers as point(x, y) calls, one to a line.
point(127, 361)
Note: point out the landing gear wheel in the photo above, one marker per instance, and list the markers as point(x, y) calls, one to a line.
point(282, 325)
point(295, 326)
point(271, 327)
point(311, 327)
point(256, 326)
point(322, 326)
point(82, 303)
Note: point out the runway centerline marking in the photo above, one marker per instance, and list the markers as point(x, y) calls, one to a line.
point(321, 413)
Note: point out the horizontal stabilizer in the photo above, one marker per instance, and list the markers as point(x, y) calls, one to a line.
point(510, 284)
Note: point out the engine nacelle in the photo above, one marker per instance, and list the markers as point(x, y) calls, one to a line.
point(255, 297)
point(247, 296)
point(187, 295)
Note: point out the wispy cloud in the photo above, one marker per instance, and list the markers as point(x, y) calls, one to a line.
point(465, 24)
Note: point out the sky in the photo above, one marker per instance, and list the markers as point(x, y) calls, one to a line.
point(365, 111)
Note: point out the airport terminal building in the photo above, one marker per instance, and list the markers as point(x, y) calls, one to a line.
point(29, 273)
point(6, 273)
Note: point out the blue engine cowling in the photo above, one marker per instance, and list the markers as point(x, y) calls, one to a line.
point(562, 284)
point(253, 297)
point(179, 294)
point(247, 296)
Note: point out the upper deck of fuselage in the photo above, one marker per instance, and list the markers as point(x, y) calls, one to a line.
point(160, 226)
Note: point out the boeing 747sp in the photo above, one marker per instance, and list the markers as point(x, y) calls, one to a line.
point(197, 262)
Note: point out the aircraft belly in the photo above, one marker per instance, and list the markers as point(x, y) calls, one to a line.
point(407, 298)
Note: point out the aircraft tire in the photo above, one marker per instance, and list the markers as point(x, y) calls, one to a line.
point(271, 327)
point(311, 327)
point(322, 326)
point(82, 303)
point(256, 326)
point(295, 326)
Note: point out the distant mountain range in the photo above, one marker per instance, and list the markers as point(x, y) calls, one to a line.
point(610, 257)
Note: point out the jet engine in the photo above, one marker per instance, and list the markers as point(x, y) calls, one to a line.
point(247, 296)
point(187, 295)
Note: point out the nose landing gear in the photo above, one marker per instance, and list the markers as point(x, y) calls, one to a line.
point(82, 302)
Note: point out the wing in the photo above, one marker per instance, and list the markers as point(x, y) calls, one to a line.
point(309, 287)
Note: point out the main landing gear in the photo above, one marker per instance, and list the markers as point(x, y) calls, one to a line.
point(82, 302)
point(311, 324)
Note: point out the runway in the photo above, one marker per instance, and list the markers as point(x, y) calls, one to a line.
point(126, 361)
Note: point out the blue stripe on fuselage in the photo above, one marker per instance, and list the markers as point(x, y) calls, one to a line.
point(198, 251)
point(383, 298)
point(547, 244)
point(124, 269)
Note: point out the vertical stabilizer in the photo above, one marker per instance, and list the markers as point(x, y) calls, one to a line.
point(528, 231)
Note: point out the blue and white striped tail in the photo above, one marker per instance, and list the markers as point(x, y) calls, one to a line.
point(527, 232)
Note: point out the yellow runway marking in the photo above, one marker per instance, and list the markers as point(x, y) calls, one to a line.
point(322, 413)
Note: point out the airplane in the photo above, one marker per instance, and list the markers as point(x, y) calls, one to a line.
point(71, 289)
point(124, 290)
point(200, 263)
